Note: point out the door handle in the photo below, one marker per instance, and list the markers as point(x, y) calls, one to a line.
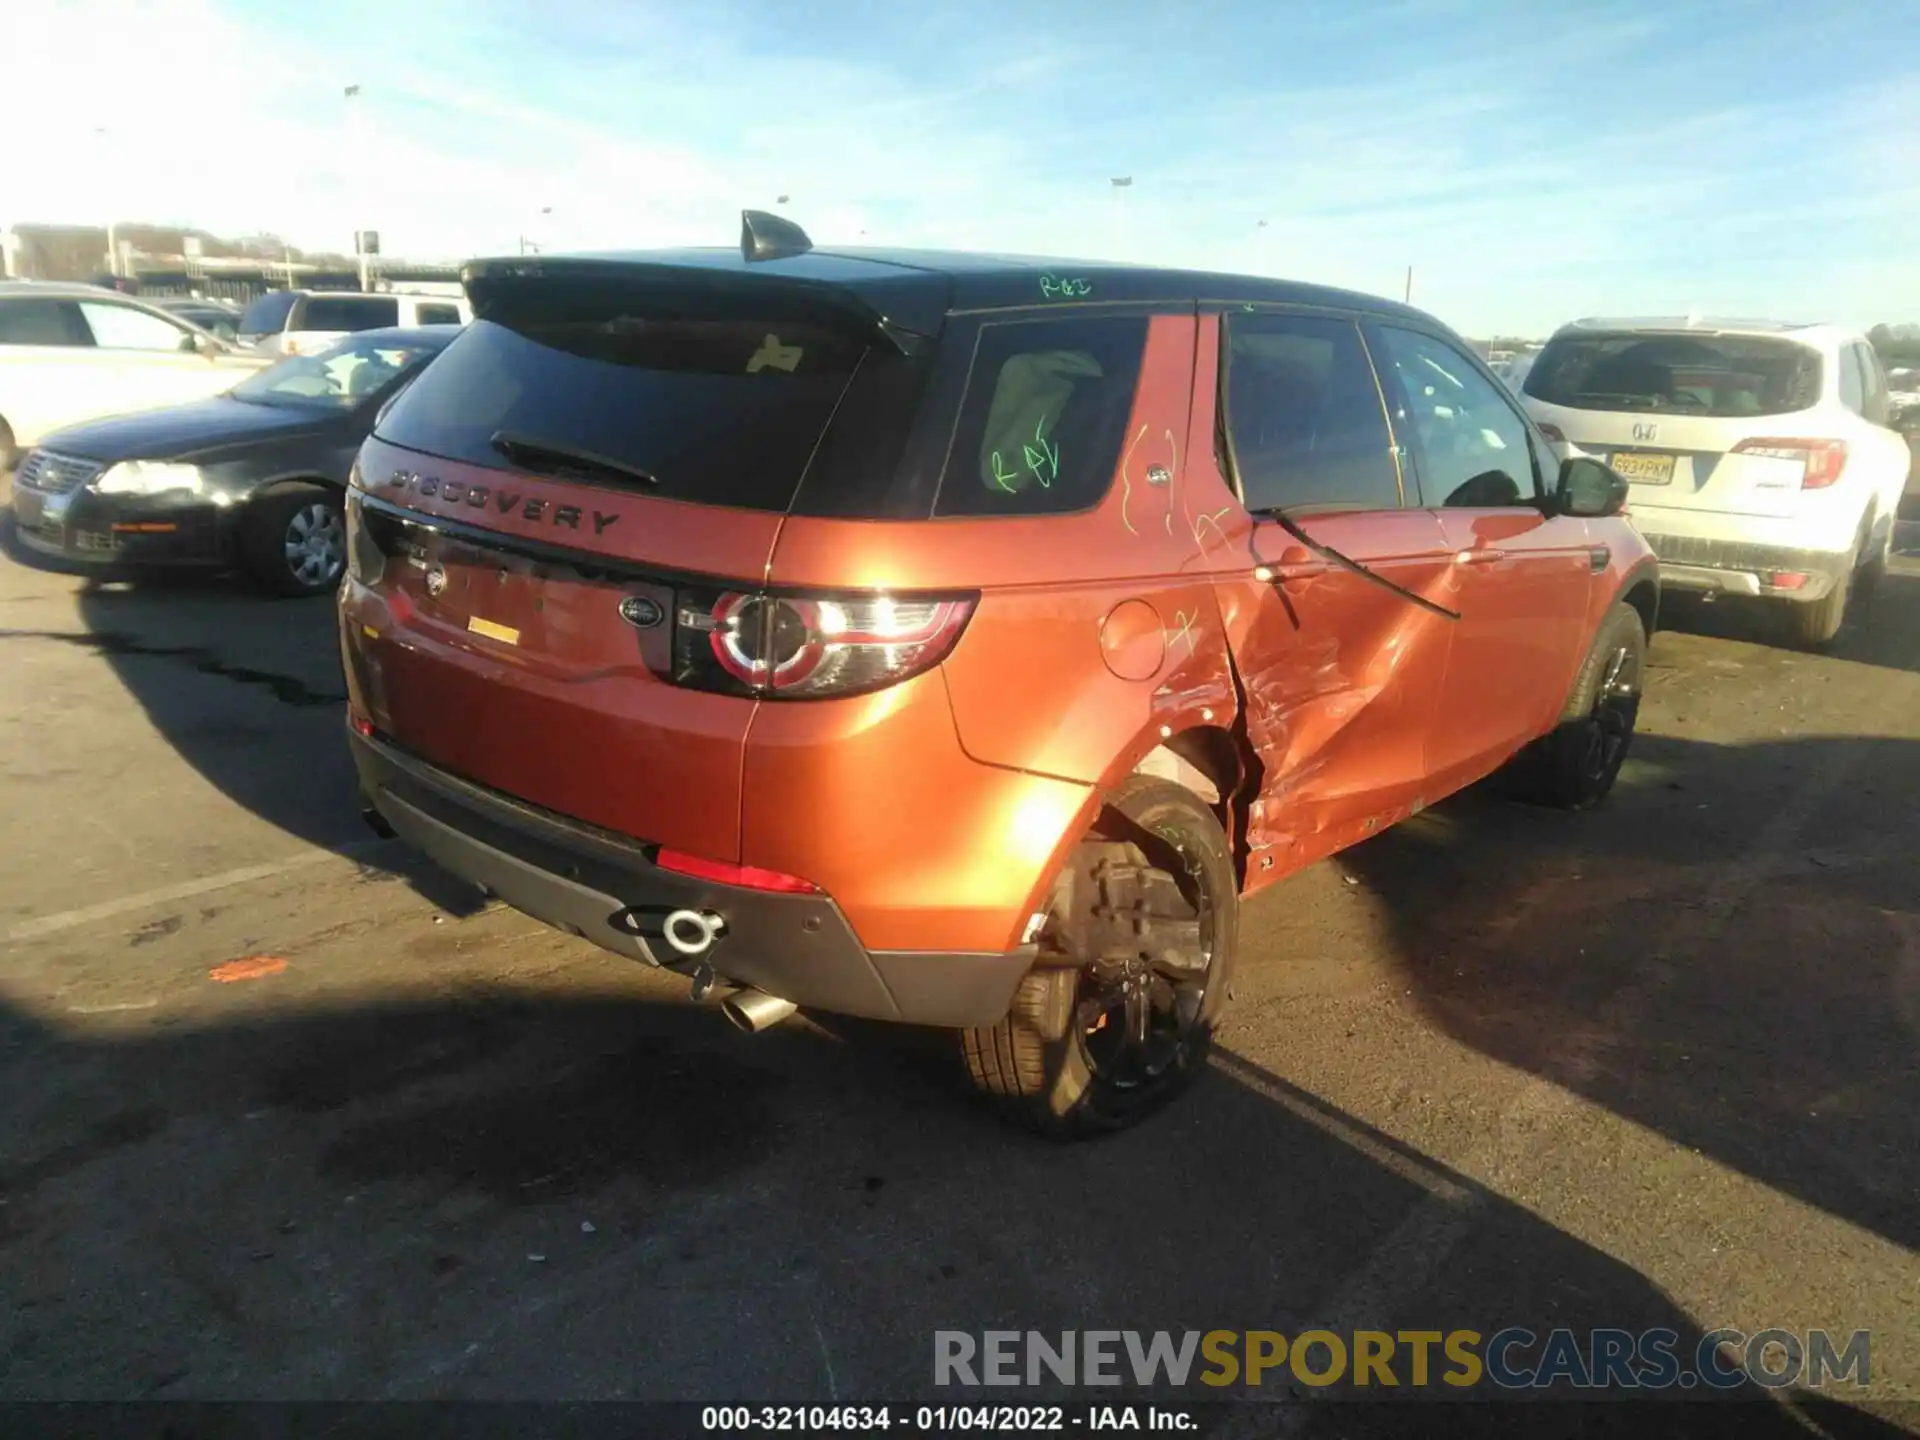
point(1479, 555)
point(1296, 562)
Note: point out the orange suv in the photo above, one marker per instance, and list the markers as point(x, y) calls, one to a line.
point(957, 639)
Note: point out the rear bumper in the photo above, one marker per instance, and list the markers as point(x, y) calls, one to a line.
point(607, 889)
point(1733, 567)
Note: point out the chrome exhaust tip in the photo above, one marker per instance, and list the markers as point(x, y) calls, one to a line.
point(692, 932)
point(755, 1010)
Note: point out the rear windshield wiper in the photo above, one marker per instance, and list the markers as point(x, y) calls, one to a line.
point(557, 459)
point(1286, 522)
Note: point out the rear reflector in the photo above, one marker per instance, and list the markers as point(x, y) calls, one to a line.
point(748, 877)
point(1823, 459)
point(1786, 580)
point(362, 726)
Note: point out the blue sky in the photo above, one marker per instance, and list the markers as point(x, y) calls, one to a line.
point(1532, 162)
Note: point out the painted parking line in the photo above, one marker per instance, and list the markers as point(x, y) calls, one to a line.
point(41, 926)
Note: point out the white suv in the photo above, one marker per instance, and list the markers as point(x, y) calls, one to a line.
point(1759, 454)
point(305, 322)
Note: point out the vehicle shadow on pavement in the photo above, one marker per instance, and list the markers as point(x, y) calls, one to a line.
point(1741, 977)
point(528, 1195)
point(247, 690)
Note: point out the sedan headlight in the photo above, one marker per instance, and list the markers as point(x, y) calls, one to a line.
point(148, 477)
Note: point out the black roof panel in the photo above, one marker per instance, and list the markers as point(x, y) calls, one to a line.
point(915, 287)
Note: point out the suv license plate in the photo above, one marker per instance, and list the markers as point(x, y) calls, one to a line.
point(1643, 469)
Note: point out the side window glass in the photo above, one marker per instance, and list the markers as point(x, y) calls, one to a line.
point(1044, 418)
point(121, 327)
point(1546, 464)
point(1304, 412)
point(1853, 393)
point(38, 321)
point(1475, 450)
point(1875, 384)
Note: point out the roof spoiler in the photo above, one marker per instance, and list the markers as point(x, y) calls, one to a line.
point(770, 237)
point(515, 290)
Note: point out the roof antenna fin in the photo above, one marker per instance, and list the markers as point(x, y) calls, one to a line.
point(770, 237)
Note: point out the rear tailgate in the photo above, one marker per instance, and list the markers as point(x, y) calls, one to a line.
point(533, 504)
point(1683, 462)
point(1669, 410)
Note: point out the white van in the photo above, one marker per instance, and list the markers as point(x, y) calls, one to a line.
point(304, 322)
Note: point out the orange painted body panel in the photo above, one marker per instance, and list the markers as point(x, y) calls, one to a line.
point(922, 847)
point(934, 812)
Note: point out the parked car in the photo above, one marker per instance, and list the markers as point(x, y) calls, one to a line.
point(212, 316)
point(870, 631)
point(1760, 457)
point(304, 322)
point(74, 352)
point(255, 477)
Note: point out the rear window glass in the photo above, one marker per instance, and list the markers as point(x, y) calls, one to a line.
point(1676, 374)
point(439, 314)
point(349, 313)
point(726, 411)
point(268, 314)
point(1045, 415)
point(40, 321)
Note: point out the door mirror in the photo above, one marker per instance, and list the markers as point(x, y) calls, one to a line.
point(1589, 489)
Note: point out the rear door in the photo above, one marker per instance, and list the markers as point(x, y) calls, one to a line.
point(1342, 676)
point(1521, 574)
point(49, 370)
point(1669, 411)
point(535, 623)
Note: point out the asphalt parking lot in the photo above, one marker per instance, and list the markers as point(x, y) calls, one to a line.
point(1649, 1066)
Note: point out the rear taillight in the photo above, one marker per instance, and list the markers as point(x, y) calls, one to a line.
point(793, 647)
point(751, 877)
point(1553, 433)
point(1823, 459)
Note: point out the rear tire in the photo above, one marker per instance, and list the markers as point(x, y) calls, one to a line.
point(1573, 766)
point(9, 455)
point(1064, 1059)
point(294, 540)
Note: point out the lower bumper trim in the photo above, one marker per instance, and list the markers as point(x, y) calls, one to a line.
point(795, 947)
point(1728, 567)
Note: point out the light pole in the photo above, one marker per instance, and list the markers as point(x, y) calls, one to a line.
point(113, 233)
point(534, 245)
point(1121, 184)
point(355, 137)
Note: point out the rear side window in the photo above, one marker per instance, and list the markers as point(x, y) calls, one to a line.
point(1724, 375)
point(41, 321)
point(1875, 384)
point(1853, 385)
point(349, 313)
point(439, 315)
point(268, 314)
point(724, 410)
point(1304, 412)
point(1044, 418)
